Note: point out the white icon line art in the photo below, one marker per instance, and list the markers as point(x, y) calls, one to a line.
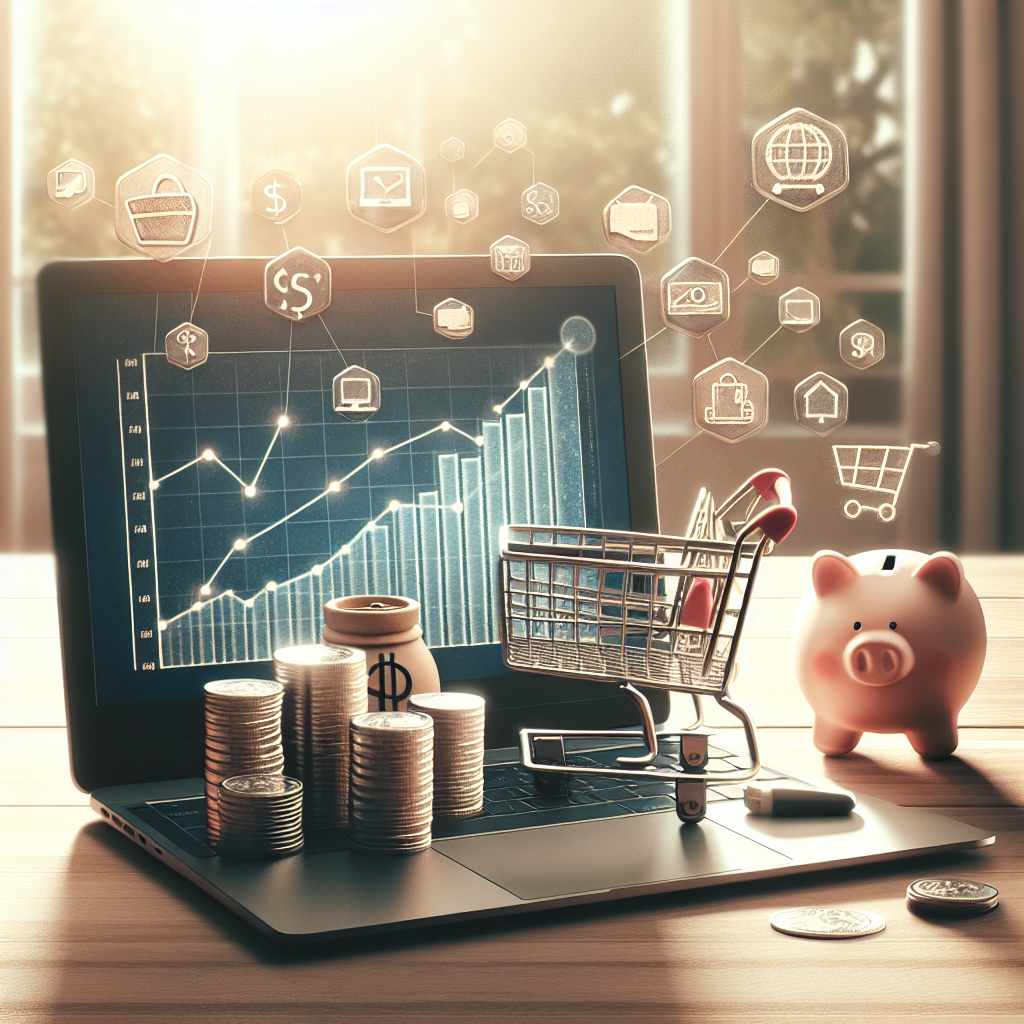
point(357, 393)
point(187, 346)
point(462, 206)
point(799, 310)
point(510, 257)
point(880, 469)
point(695, 297)
point(821, 403)
point(297, 284)
point(510, 135)
point(539, 203)
point(453, 149)
point(763, 268)
point(453, 319)
point(276, 196)
point(384, 186)
point(729, 403)
point(798, 155)
point(72, 184)
point(699, 298)
point(163, 218)
point(637, 220)
point(861, 344)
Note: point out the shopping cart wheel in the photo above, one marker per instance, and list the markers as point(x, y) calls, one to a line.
point(887, 512)
point(851, 509)
point(691, 800)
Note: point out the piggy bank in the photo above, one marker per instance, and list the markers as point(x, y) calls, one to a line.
point(888, 641)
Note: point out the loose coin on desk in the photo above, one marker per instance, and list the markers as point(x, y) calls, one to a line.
point(827, 922)
point(951, 897)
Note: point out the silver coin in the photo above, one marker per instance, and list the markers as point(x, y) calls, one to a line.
point(953, 890)
point(244, 688)
point(827, 922)
point(443, 703)
point(260, 785)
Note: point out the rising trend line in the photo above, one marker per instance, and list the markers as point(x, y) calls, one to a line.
point(332, 488)
point(549, 361)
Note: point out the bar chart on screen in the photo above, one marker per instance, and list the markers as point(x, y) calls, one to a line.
point(249, 501)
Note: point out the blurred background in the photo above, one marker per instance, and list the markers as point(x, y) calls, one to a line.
point(664, 94)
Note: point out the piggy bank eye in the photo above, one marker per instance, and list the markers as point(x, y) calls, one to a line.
point(856, 625)
point(892, 625)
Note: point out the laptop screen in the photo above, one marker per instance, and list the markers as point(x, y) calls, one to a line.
point(233, 485)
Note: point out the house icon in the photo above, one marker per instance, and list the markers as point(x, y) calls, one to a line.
point(821, 403)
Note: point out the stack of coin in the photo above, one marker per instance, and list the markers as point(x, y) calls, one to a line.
point(324, 687)
point(243, 737)
point(458, 751)
point(392, 781)
point(260, 816)
point(951, 897)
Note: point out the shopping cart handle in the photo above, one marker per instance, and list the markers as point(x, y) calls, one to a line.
point(775, 523)
point(768, 482)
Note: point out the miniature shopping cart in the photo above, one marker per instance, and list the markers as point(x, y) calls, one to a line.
point(665, 613)
point(878, 468)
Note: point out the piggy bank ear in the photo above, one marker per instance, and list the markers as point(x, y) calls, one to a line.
point(831, 571)
point(944, 572)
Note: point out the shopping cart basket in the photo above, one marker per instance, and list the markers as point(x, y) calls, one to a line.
point(665, 613)
point(879, 468)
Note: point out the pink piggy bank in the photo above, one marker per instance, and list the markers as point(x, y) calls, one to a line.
point(888, 641)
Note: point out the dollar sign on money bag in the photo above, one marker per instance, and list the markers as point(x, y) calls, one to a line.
point(387, 672)
point(279, 201)
point(863, 345)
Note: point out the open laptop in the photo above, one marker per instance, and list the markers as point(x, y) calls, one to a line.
point(160, 458)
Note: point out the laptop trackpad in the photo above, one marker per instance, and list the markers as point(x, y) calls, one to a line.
point(609, 853)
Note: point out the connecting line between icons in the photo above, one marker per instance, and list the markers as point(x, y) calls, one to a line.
point(481, 160)
point(103, 201)
point(332, 488)
point(331, 336)
point(740, 232)
point(712, 344)
point(740, 285)
point(285, 233)
point(415, 284)
point(762, 345)
point(533, 165)
point(642, 343)
point(376, 134)
point(201, 273)
point(679, 449)
point(156, 323)
point(288, 379)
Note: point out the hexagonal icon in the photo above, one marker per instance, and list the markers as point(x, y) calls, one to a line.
point(799, 310)
point(386, 188)
point(453, 150)
point(276, 196)
point(539, 203)
point(71, 183)
point(730, 400)
point(763, 268)
point(861, 344)
point(510, 135)
point(454, 319)
point(297, 284)
point(821, 403)
point(462, 206)
point(163, 208)
point(510, 257)
point(356, 393)
point(695, 297)
point(800, 160)
point(637, 220)
point(187, 346)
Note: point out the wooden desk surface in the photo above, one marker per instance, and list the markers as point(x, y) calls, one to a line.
point(93, 930)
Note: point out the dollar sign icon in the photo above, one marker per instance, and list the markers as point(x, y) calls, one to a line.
point(863, 345)
point(388, 671)
point(279, 201)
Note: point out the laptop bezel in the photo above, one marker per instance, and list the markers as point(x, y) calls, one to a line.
point(116, 744)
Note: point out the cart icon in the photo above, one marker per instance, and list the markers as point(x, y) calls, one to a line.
point(878, 468)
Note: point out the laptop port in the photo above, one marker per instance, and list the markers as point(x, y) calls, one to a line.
point(104, 812)
point(128, 829)
point(157, 850)
point(116, 820)
point(142, 839)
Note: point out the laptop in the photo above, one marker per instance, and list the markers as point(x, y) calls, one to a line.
point(182, 413)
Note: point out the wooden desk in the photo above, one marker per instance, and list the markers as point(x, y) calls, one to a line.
point(94, 930)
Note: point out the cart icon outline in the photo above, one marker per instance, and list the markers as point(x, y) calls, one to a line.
point(878, 468)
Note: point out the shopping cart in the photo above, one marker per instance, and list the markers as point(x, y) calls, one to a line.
point(879, 468)
point(665, 613)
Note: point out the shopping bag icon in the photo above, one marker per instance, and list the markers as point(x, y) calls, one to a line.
point(163, 217)
point(729, 402)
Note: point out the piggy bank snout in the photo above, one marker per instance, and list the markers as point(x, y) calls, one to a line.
point(878, 658)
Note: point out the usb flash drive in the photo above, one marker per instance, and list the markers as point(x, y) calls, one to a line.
point(781, 801)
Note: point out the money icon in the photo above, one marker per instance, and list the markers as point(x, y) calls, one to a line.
point(863, 345)
point(297, 285)
point(272, 192)
point(387, 672)
point(276, 196)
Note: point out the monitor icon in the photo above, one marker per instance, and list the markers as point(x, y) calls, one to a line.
point(799, 310)
point(384, 186)
point(356, 393)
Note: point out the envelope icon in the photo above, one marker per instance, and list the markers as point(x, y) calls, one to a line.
point(638, 221)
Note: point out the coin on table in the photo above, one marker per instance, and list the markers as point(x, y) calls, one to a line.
point(953, 897)
point(827, 922)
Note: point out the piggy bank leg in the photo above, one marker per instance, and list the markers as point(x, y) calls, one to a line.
point(936, 742)
point(833, 739)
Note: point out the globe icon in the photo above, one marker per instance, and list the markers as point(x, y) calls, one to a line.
point(798, 155)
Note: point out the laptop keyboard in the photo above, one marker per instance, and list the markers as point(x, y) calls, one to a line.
point(513, 798)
